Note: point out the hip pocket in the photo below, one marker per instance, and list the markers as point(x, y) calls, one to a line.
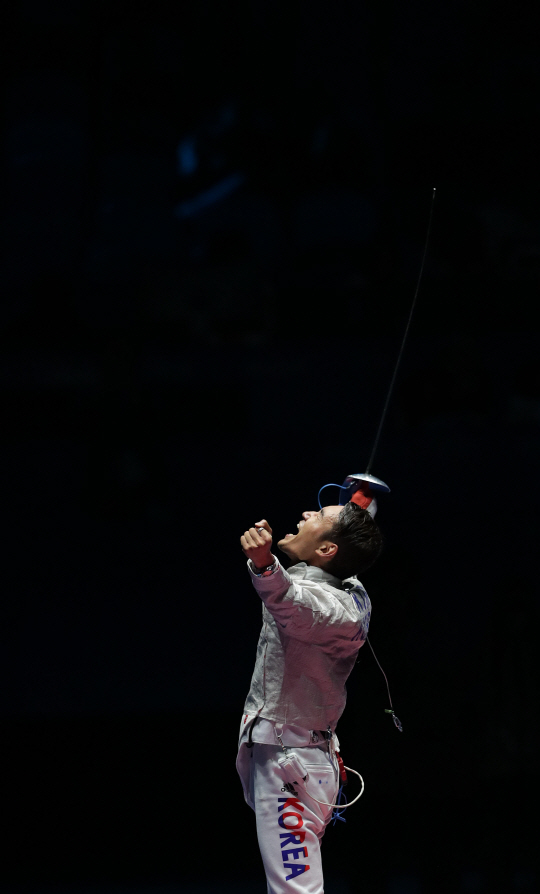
point(321, 785)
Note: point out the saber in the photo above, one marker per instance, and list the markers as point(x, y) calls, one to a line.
point(407, 327)
point(361, 487)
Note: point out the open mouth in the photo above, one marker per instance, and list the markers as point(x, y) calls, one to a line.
point(300, 525)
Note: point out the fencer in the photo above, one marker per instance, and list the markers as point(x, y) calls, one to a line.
point(315, 618)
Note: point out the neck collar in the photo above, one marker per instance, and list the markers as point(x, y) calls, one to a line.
point(313, 572)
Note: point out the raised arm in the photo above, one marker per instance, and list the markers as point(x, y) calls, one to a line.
point(306, 609)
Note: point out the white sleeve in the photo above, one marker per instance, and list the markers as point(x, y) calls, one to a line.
point(309, 610)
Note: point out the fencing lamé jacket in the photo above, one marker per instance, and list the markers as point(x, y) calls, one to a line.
point(313, 627)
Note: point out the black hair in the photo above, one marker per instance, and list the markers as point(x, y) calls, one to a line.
point(359, 541)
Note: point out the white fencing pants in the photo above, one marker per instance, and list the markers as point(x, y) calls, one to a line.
point(290, 824)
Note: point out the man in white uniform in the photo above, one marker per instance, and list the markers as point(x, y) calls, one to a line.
point(315, 619)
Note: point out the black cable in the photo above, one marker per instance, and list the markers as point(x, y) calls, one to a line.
point(390, 710)
point(391, 388)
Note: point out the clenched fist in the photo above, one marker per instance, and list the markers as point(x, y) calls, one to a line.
point(256, 544)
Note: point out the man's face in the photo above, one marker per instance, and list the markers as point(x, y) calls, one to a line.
point(311, 544)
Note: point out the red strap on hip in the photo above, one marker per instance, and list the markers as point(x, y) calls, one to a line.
point(342, 770)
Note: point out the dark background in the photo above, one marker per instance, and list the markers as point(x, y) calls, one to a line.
point(214, 222)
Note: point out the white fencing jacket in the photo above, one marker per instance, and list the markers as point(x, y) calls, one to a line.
point(313, 626)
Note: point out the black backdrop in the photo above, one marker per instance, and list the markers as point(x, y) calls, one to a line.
point(213, 225)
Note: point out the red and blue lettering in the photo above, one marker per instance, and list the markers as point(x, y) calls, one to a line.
point(291, 820)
